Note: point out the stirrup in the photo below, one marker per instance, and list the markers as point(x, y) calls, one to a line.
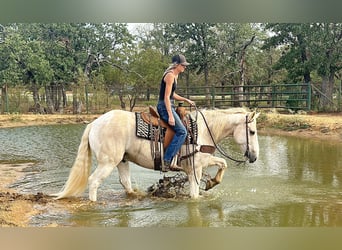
point(169, 168)
point(172, 166)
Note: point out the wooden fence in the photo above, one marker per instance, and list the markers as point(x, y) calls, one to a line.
point(290, 96)
point(302, 96)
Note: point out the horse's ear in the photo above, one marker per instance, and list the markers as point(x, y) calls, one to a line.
point(253, 115)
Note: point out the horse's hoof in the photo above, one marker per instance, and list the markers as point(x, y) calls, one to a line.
point(208, 185)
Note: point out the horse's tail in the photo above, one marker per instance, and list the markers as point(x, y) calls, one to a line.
point(79, 173)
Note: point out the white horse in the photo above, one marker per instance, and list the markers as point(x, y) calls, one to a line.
point(113, 140)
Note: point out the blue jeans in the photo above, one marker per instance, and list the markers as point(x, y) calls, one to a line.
point(179, 128)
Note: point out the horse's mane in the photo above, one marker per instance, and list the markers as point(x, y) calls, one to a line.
point(218, 116)
point(234, 111)
point(227, 111)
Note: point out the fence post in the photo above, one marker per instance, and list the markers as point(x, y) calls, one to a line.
point(4, 99)
point(273, 95)
point(87, 97)
point(339, 96)
point(213, 97)
point(309, 96)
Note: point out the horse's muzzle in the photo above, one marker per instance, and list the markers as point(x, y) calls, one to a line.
point(252, 157)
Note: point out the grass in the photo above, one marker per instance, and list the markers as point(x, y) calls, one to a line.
point(286, 123)
point(15, 117)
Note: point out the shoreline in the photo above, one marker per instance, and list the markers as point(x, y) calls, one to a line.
point(23, 120)
point(316, 126)
point(15, 209)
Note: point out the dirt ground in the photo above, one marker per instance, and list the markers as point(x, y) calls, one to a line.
point(317, 126)
point(16, 209)
point(21, 120)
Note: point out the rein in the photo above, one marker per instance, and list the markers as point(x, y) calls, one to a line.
point(225, 154)
point(247, 138)
point(216, 146)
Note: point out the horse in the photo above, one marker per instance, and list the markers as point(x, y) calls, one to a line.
point(111, 137)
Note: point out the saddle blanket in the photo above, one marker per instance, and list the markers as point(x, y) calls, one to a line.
point(146, 131)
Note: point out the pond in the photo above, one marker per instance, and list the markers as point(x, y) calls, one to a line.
point(294, 183)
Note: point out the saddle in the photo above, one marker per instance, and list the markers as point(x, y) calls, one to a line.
point(154, 119)
point(160, 132)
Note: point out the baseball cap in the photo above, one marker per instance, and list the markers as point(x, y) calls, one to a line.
point(179, 59)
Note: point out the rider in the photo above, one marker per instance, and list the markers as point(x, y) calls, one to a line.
point(166, 108)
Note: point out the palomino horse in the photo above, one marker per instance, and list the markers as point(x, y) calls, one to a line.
point(113, 140)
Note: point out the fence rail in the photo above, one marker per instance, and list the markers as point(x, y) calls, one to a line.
point(289, 96)
point(292, 96)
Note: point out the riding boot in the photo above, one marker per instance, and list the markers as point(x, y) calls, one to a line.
point(168, 166)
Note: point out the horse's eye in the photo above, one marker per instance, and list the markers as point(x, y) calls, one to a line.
point(252, 132)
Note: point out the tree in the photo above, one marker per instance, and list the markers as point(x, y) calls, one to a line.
point(9, 70)
point(24, 61)
point(38, 53)
point(150, 65)
point(156, 37)
point(309, 48)
point(239, 57)
point(198, 41)
point(74, 49)
point(137, 78)
point(50, 58)
point(326, 54)
point(293, 38)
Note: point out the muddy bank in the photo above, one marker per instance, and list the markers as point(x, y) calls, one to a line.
point(15, 209)
point(21, 120)
point(315, 126)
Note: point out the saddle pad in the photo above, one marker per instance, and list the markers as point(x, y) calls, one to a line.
point(146, 131)
point(143, 130)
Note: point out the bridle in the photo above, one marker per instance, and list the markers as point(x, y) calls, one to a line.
point(247, 139)
point(224, 153)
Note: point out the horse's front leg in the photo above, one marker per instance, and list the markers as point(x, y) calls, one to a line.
point(222, 165)
point(194, 182)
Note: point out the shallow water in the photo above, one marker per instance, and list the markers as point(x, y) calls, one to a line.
point(295, 182)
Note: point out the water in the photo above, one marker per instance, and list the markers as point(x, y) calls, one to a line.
point(295, 182)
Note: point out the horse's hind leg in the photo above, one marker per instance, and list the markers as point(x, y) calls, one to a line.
point(125, 176)
point(101, 172)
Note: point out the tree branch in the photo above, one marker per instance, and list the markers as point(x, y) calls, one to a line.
point(125, 69)
point(244, 47)
point(2, 32)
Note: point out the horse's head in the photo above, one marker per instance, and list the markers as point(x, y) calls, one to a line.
point(245, 134)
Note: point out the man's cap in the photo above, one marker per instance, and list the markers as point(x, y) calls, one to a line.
point(179, 59)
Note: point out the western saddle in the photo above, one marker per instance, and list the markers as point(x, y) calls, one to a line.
point(152, 118)
point(164, 134)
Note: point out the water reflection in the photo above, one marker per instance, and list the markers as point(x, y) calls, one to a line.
point(300, 160)
point(292, 215)
point(315, 161)
point(295, 182)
